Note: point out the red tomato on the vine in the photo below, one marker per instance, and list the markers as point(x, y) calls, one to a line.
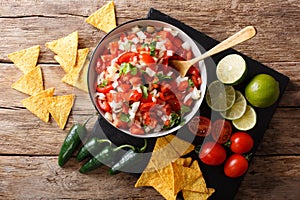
point(241, 142)
point(221, 131)
point(212, 154)
point(235, 166)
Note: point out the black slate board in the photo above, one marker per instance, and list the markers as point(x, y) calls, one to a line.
point(226, 188)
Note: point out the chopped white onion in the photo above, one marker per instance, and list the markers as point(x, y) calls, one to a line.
point(170, 53)
point(196, 94)
point(150, 72)
point(108, 116)
point(141, 35)
point(135, 40)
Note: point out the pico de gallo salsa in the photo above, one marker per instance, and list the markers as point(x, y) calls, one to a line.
point(136, 87)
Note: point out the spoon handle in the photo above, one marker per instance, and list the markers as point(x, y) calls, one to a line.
point(239, 37)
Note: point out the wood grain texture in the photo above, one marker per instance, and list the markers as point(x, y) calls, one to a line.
point(29, 147)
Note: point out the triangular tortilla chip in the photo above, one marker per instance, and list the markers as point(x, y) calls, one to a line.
point(36, 104)
point(65, 48)
point(30, 83)
point(104, 18)
point(72, 76)
point(181, 147)
point(190, 195)
point(199, 185)
point(25, 59)
point(60, 108)
point(186, 162)
point(183, 176)
point(82, 79)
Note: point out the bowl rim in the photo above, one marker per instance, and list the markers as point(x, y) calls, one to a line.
point(91, 91)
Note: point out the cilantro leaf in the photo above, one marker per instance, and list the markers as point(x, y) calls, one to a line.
point(127, 67)
point(125, 118)
point(145, 91)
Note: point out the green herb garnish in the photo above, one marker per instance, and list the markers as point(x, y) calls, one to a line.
point(175, 120)
point(152, 48)
point(127, 67)
point(145, 91)
point(125, 118)
point(103, 84)
point(191, 83)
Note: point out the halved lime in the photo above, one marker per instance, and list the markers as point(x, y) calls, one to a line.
point(238, 108)
point(220, 97)
point(231, 69)
point(247, 121)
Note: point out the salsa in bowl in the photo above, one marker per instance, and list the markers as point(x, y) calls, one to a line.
point(133, 85)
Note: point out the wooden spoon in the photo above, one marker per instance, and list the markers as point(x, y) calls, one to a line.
point(246, 33)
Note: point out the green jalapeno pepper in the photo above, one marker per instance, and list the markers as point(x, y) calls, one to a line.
point(72, 142)
point(106, 155)
point(91, 147)
point(130, 158)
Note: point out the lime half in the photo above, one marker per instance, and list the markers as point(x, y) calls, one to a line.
point(247, 121)
point(238, 109)
point(231, 69)
point(220, 97)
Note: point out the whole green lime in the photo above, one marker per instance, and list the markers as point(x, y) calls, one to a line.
point(262, 91)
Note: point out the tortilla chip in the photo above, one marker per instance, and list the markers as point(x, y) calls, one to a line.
point(163, 153)
point(181, 147)
point(190, 195)
point(25, 59)
point(186, 162)
point(36, 104)
point(60, 108)
point(163, 189)
point(82, 79)
point(183, 176)
point(72, 76)
point(104, 18)
point(65, 48)
point(199, 185)
point(30, 83)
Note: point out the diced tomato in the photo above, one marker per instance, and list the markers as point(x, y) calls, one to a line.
point(135, 96)
point(165, 35)
point(125, 108)
point(125, 87)
point(109, 97)
point(175, 104)
point(107, 58)
point(167, 123)
point(104, 105)
point(113, 48)
point(131, 36)
point(146, 106)
point(189, 55)
point(196, 80)
point(170, 46)
point(183, 85)
point(134, 81)
point(105, 89)
point(147, 100)
point(177, 42)
point(119, 123)
point(136, 130)
point(165, 87)
point(99, 66)
point(167, 109)
point(126, 57)
point(193, 71)
point(146, 58)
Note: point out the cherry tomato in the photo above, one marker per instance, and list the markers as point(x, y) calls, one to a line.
point(212, 154)
point(235, 166)
point(200, 126)
point(241, 142)
point(221, 131)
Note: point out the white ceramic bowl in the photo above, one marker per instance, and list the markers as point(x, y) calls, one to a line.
point(112, 35)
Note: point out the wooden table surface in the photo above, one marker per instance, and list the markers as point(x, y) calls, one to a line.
point(29, 147)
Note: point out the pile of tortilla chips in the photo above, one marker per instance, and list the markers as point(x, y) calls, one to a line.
point(104, 18)
point(169, 174)
point(71, 59)
point(41, 102)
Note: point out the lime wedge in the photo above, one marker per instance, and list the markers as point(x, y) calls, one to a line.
point(231, 69)
point(220, 97)
point(238, 108)
point(247, 121)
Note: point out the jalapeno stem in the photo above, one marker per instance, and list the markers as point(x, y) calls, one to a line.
point(124, 146)
point(141, 150)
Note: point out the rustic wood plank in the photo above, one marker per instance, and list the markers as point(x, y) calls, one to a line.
point(40, 177)
point(46, 138)
point(272, 178)
point(217, 19)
